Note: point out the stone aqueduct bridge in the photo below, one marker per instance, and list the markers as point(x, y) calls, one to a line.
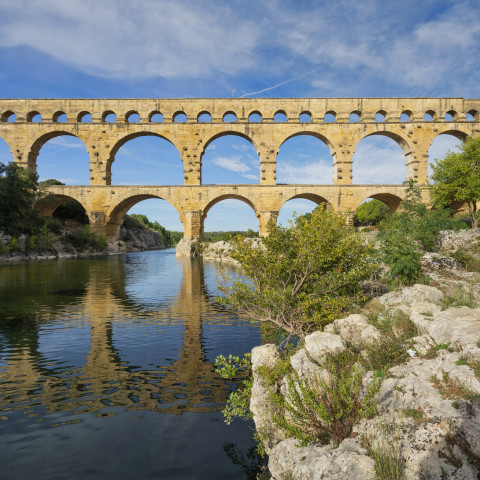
point(402, 119)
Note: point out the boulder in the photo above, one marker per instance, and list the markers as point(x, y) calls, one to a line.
point(321, 344)
point(355, 329)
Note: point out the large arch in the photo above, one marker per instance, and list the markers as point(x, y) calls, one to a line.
point(445, 141)
point(389, 199)
point(303, 162)
point(149, 151)
point(374, 148)
point(230, 158)
point(47, 205)
point(293, 205)
point(71, 169)
point(222, 198)
point(116, 214)
point(5, 152)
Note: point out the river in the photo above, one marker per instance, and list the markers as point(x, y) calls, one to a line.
point(106, 370)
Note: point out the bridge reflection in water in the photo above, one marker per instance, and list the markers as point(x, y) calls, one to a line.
point(103, 336)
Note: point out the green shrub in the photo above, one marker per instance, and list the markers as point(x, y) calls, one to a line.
point(459, 298)
point(325, 411)
point(390, 351)
point(54, 225)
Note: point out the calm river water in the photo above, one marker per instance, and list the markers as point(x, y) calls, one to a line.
point(106, 370)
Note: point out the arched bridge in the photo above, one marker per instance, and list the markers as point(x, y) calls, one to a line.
point(341, 123)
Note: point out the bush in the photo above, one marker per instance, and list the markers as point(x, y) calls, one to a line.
point(321, 410)
point(54, 225)
point(302, 277)
point(84, 238)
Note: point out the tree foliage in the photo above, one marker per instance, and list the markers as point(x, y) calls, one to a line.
point(409, 232)
point(370, 213)
point(457, 178)
point(302, 277)
point(18, 188)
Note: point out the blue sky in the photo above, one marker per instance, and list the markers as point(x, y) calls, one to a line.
point(157, 48)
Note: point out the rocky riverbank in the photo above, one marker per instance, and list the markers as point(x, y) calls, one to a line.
point(426, 339)
point(53, 247)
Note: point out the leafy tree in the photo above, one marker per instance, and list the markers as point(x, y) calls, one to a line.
point(370, 213)
point(407, 233)
point(300, 278)
point(18, 189)
point(457, 178)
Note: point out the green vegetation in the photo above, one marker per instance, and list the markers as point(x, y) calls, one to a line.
point(227, 236)
point(141, 222)
point(457, 178)
point(325, 410)
point(303, 277)
point(406, 234)
point(370, 213)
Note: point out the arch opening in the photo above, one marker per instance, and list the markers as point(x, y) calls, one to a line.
point(299, 205)
point(406, 116)
point(380, 158)
point(229, 117)
point(204, 117)
point(380, 116)
point(84, 117)
point(375, 208)
point(355, 116)
point(5, 152)
point(145, 159)
point(155, 117)
point(429, 116)
point(61, 156)
point(305, 158)
point(132, 117)
point(109, 117)
point(280, 116)
point(230, 213)
point(305, 117)
point(180, 117)
point(472, 116)
point(451, 116)
point(230, 158)
point(330, 117)
point(34, 117)
point(255, 117)
point(441, 145)
point(8, 116)
point(59, 117)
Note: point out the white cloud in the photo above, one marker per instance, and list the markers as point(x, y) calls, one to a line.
point(313, 172)
point(234, 164)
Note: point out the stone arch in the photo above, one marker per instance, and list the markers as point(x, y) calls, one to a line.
point(153, 114)
point(330, 116)
point(122, 141)
point(106, 113)
point(115, 214)
point(313, 197)
point(41, 141)
point(389, 199)
point(48, 204)
point(5, 117)
point(255, 117)
point(180, 117)
point(280, 116)
point(225, 133)
point(3, 146)
point(429, 116)
point(398, 139)
point(31, 115)
point(81, 116)
point(453, 116)
point(461, 135)
point(129, 114)
point(321, 137)
point(380, 116)
point(229, 114)
point(220, 198)
point(305, 116)
point(443, 142)
point(406, 116)
point(204, 117)
point(475, 115)
point(57, 115)
point(355, 116)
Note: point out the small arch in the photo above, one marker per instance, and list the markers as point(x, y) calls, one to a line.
point(227, 197)
point(330, 117)
point(380, 116)
point(429, 116)
point(255, 117)
point(406, 116)
point(8, 116)
point(305, 117)
point(229, 117)
point(84, 117)
point(280, 116)
point(355, 116)
point(155, 117)
point(180, 117)
point(472, 116)
point(50, 206)
point(59, 117)
point(312, 197)
point(34, 116)
point(109, 117)
point(451, 116)
point(389, 199)
point(204, 117)
point(132, 116)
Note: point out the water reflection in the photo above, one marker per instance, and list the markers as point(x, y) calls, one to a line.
point(107, 335)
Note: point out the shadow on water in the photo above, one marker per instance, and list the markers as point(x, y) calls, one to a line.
point(120, 339)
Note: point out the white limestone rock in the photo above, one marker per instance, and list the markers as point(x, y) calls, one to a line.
point(415, 294)
point(304, 366)
point(321, 344)
point(355, 329)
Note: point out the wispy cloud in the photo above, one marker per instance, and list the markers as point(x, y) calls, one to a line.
point(234, 164)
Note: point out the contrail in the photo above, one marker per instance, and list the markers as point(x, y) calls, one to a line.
point(278, 84)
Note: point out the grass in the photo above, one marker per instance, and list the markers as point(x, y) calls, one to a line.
point(459, 298)
point(467, 260)
point(450, 390)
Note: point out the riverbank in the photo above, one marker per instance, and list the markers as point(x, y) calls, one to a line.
point(21, 249)
point(415, 351)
